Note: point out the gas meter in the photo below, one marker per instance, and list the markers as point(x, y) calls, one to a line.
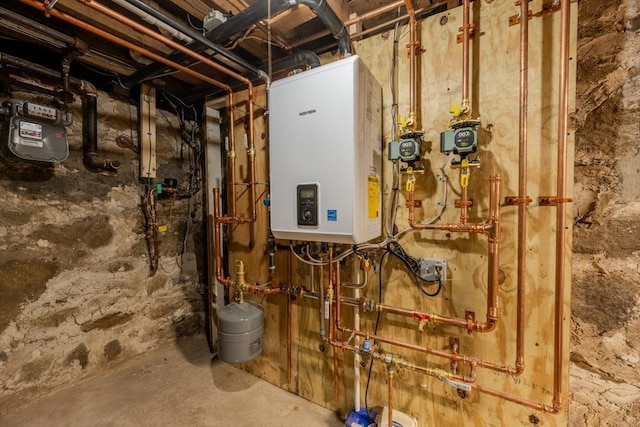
point(34, 132)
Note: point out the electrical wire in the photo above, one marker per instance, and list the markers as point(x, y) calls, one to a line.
point(192, 25)
point(413, 266)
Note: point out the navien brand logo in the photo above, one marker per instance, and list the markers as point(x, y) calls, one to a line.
point(307, 112)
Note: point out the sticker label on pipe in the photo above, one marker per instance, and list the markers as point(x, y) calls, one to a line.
point(455, 384)
point(373, 193)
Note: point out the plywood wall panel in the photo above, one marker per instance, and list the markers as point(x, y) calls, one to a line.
point(494, 89)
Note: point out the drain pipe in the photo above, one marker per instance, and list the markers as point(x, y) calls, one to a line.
point(90, 134)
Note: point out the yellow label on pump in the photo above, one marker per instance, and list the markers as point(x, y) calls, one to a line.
point(464, 173)
point(373, 186)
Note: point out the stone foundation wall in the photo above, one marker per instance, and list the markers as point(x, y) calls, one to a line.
point(605, 381)
point(77, 294)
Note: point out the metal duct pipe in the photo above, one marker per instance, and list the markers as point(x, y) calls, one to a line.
point(302, 58)
point(239, 23)
point(194, 35)
point(70, 41)
point(332, 22)
point(232, 27)
point(297, 59)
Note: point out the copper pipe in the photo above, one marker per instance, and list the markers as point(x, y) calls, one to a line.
point(334, 314)
point(440, 374)
point(403, 312)
point(232, 156)
point(464, 204)
point(491, 228)
point(169, 42)
point(373, 13)
point(522, 185)
point(412, 46)
point(466, 37)
point(563, 111)
point(107, 36)
point(226, 281)
point(390, 373)
point(370, 15)
point(216, 239)
point(322, 303)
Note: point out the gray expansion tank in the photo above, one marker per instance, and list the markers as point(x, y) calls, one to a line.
point(240, 332)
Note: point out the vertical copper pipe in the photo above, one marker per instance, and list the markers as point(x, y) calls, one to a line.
point(216, 238)
point(251, 153)
point(289, 316)
point(493, 258)
point(390, 396)
point(464, 205)
point(412, 46)
point(522, 184)
point(334, 312)
point(231, 161)
point(466, 36)
point(322, 303)
point(563, 110)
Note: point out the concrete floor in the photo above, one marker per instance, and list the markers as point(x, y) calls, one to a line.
point(178, 385)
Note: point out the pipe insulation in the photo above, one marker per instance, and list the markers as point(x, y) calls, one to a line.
point(148, 18)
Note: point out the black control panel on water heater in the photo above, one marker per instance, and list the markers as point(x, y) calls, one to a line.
point(307, 204)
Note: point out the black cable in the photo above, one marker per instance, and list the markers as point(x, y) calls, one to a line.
point(413, 266)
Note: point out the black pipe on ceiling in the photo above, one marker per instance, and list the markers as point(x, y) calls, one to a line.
point(234, 26)
point(300, 59)
point(239, 23)
point(27, 26)
point(198, 37)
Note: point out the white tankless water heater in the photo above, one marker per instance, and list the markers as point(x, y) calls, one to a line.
point(325, 154)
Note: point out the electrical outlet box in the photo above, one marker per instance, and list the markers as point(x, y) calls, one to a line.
point(433, 269)
point(325, 154)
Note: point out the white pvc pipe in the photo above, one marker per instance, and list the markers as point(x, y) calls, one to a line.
point(164, 28)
